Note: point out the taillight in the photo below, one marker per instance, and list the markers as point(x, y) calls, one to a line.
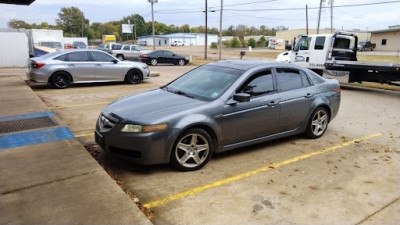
point(37, 65)
point(338, 90)
point(144, 56)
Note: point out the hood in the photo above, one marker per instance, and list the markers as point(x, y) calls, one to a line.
point(150, 106)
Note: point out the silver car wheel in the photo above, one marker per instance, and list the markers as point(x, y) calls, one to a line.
point(153, 62)
point(318, 123)
point(192, 151)
point(181, 62)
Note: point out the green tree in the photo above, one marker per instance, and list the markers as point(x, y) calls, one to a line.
point(252, 42)
point(72, 21)
point(16, 24)
point(235, 43)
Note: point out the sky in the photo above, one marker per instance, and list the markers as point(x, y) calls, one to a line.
point(364, 15)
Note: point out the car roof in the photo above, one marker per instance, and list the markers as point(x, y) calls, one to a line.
point(247, 64)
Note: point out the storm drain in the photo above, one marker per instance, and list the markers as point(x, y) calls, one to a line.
point(26, 124)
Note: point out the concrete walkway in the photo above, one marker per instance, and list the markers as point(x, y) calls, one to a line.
point(46, 176)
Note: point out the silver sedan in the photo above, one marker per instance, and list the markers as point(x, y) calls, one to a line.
point(218, 107)
point(67, 66)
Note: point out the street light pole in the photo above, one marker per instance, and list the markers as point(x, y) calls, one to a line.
point(152, 19)
point(220, 30)
point(205, 33)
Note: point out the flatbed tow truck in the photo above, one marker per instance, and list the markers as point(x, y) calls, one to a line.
point(338, 52)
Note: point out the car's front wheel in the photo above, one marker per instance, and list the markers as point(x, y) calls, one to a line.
point(153, 62)
point(192, 150)
point(134, 77)
point(181, 62)
point(61, 80)
point(121, 57)
point(318, 123)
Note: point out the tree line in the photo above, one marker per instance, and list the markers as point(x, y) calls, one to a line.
point(74, 24)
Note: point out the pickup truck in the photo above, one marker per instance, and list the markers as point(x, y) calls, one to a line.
point(130, 52)
point(363, 45)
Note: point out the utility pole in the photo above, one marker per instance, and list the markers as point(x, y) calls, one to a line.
point(152, 19)
point(331, 16)
point(306, 19)
point(205, 33)
point(319, 15)
point(220, 30)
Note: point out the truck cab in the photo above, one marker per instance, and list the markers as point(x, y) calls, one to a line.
point(312, 51)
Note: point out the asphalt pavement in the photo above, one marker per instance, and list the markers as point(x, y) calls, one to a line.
point(46, 175)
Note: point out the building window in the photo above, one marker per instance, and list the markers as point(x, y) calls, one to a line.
point(383, 41)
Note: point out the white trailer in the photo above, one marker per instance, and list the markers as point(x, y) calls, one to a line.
point(42, 41)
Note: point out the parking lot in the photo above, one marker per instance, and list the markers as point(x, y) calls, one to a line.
point(349, 176)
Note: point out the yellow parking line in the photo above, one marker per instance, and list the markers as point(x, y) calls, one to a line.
point(84, 135)
point(241, 176)
point(78, 105)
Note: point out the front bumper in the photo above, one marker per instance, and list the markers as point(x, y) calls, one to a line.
point(142, 148)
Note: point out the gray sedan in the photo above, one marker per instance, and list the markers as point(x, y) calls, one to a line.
point(67, 66)
point(218, 107)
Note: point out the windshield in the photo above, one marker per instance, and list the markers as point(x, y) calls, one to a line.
point(205, 83)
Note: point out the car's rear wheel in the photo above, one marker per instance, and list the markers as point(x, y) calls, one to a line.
point(134, 76)
point(318, 123)
point(121, 57)
point(153, 62)
point(181, 62)
point(192, 150)
point(61, 80)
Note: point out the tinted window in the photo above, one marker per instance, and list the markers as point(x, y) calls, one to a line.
point(259, 84)
point(168, 54)
point(319, 43)
point(61, 57)
point(342, 43)
point(78, 56)
point(126, 47)
point(101, 57)
point(288, 79)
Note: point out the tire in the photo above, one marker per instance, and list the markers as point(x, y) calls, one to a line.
point(181, 62)
point(133, 76)
point(121, 57)
point(153, 62)
point(192, 150)
point(61, 80)
point(318, 123)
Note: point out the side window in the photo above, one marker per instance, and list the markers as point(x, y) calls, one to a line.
point(304, 43)
point(342, 43)
point(319, 43)
point(126, 48)
point(101, 57)
point(78, 57)
point(259, 84)
point(305, 79)
point(61, 57)
point(288, 79)
point(168, 54)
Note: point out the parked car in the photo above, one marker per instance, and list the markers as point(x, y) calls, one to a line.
point(163, 56)
point(177, 43)
point(363, 45)
point(130, 52)
point(142, 43)
point(79, 44)
point(64, 67)
point(217, 107)
point(109, 47)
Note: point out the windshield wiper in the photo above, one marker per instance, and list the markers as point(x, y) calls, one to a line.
point(183, 94)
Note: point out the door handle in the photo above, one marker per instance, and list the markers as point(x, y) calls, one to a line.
point(309, 95)
point(71, 65)
point(307, 59)
point(272, 103)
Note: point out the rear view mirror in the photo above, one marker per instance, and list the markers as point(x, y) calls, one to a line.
point(241, 97)
point(115, 61)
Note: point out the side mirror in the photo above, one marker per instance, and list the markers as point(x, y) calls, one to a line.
point(115, 61)
point(241, 97)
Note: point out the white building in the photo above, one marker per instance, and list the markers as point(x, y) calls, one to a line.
point(185, 38)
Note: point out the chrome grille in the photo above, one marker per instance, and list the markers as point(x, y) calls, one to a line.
point(107, 122)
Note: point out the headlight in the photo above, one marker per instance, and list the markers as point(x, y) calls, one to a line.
point(143, 128)
point(144, 66)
